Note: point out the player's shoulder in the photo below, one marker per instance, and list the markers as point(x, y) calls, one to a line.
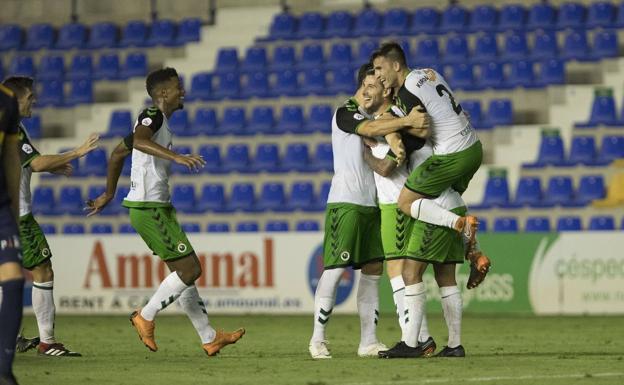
point(349, 105)
point(420, 76)
point(150, 117)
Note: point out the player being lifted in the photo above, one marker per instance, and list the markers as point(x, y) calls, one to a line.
point(352, 233)
point(457, 151)
point(153, 216)
point(36, 253)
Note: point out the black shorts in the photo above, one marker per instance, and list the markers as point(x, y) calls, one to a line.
point(10, 250)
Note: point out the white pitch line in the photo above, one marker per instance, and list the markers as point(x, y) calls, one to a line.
point(489, 379)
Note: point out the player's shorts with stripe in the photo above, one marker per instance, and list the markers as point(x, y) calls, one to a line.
point(352, 235)
point(161, 231)
point(35, 246)
point(436, 244)
point(439, 172)
point(396, 230)
point(9, 237)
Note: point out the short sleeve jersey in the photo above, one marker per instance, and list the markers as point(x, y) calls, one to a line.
point(427, 90)
point(353, 181)
point(9, 121)
point(27, 152)
point(149, 176)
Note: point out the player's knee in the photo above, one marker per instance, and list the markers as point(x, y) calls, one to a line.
point(43, 272)
point(405, 206)
point(375, 268)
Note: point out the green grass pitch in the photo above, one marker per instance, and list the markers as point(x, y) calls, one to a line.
point(500, 350)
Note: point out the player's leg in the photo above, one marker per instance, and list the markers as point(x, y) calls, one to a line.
point(324, 300)
point(451, 300)
point(368, 309)
point(394, 268)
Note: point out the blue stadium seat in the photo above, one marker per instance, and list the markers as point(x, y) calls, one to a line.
point(619, 18)
point(73, 35)
point(601, 223)
point(291, 119)
point(286, 84)
point(162, 32)
point(274, 226)
point(483, 225)
point(560, 191)
point(364, 52)
point(506, 225)
point(135, 65)
point(319, 118)
point(101, 228)
point(183, 198)
point(339, 24)
point(571, 15)
point(11, 37)
point(51, 94)
point(473, 109)
point(367, 23)
point(311, 57)
point(134, 34)
point(515, 48)
point(237, 158)
point(343, 81)
point(308, 225)
point(262, 120)
point(81, 67)
point(51, 67)
point(301, 196)
point(591, 187)
point(80, 92)
point(95, 162)
point(272, 198)
point(257, 85)
point(103, 35)
point(233, 121)
point(600, 14)
point(220, 227)
point(512, 17)
point(212, 199)
point(461, 76)
point(228, 86)
point(40, 36)
point(120, 123)
point(190, 227)
point(569, 223)
point(486, 49)
point(283, 26)
point(492, 76)
point(22, 65)
point(314, 82)
point(227, 60)
point(323, 158)
point(521, 74)
point(427, 52)
point(108, 67)
point(602, 111)
point(311, 26)
point(179, 123)
point(189, 30)
point(321, 198)
point(242, 197)
point(483, 18)
point(500, 112)
point(205, 122)
point(43, 200)
point(267, 158)
point(544, 45)
point(537, 225)
point(177, 168)
point(496, 192)
point(70, 200)
point(395, 22)
point(541, 16)
point(529, 192)
point(115, 207)
point(33, 124)
point(552, 71)
point(551, 152)
point(605, 45)
point(297, 158)
point(612, 148)
point(340, 56)
point(126, 228)
point(456, 49)
point(283, 58)
point(454, 19)
point(425, 20)
point(575, 47)
point(247, 227)
point(255, 60)
point(95, 191)
point(73, 228)
point(582, 151)
point(201, 87)
point(212, 155)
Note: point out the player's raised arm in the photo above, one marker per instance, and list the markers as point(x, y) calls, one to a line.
point(52, 163)
point(381, 127)
point(384, 167)
point(144, 143)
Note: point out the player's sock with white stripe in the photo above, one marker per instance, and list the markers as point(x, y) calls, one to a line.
point(398, 294)
point(194, 307)
point(415, 300)
point(168, 291)
point(452, 308)
point(11, 299)
point(427, 210)
point(368, 308)
point(424, 328)
point(324, 300)
point(45, 311)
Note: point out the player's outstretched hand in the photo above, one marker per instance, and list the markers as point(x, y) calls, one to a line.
point(67, 169)
point(89, 145)
point(417, 119)
point(192, 162)
point(94, 206)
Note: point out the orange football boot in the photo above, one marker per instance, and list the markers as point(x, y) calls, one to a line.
point(479, 266)
point(145, 329)
point(221, 340)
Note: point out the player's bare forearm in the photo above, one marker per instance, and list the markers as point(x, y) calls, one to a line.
point(396, 145)
point(380, 127)
point(383, 167)
point(418, 132)
point(49, 163)
point(12, 171)
point(115, 165)
point(150, 147)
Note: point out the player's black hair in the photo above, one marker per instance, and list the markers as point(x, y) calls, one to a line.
point(391, 50)
point(159, 76)
point(364, 71)
point(18, 84)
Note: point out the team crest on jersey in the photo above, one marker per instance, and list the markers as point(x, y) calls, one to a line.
point(146, 122)
point(345, 256)
point(45, 253)
point(27, 148)
point(182, 247)
point(431, 75)
point(358, 116)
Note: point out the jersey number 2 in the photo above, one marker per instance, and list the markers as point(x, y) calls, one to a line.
point(443, 90)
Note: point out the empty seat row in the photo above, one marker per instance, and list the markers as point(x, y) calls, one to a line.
point(603, 111)
point(543, 224)
point(100, 35)
point(455, 18)
point(52, 67)
point(211, 198)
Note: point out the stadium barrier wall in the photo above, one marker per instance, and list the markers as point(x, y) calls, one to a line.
point(567, 273)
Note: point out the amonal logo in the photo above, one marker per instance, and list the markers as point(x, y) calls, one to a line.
point(315, 269)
